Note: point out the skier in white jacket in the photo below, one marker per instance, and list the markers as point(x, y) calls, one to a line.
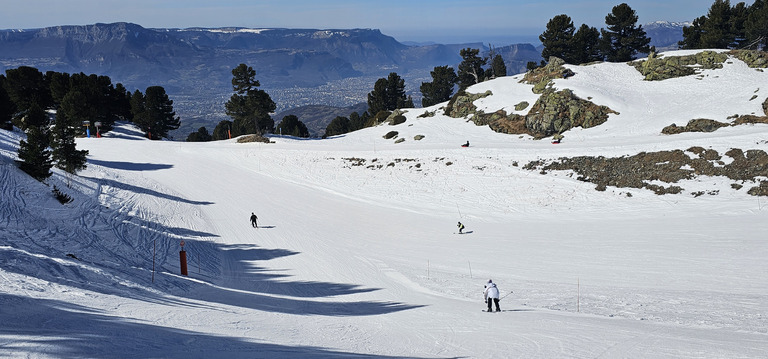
point(491, 295)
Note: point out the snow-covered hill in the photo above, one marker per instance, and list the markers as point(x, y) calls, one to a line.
point(356, 253)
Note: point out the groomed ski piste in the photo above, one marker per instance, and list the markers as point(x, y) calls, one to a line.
point(355, 255)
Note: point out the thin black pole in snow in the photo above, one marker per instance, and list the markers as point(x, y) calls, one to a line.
point(470, 269)
point(578, 296)
point(510, 292)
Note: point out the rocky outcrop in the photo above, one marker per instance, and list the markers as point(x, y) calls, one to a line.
point(253, 138)
point(749, 120)
point(706, 125)
point(753, 58)
point(662, 68)
point(697, 125)
point(645, 170)
point(511, 125)
point(557, 112)
point(553, 113)
point(462, 104)
point(542, 77)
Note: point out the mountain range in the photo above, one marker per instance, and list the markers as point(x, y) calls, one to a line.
point(296, 67)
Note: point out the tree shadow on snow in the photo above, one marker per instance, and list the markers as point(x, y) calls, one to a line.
point(44, 327)
point(272, 136)
point(130, 166)
point(136, 189)
point(256, 285)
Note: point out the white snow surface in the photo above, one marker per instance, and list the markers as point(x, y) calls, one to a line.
point(356, 254)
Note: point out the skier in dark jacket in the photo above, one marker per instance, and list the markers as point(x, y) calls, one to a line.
point(253, 220)
point(461, 228)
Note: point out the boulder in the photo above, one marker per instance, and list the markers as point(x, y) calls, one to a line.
point(557, 112)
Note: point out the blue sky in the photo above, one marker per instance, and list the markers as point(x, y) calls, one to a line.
point(406, 20)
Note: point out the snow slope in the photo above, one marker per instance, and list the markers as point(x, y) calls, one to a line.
point(356, 254)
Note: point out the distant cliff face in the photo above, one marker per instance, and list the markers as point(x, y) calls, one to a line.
point(140, 57)
point(517, 56)
point(665, 35)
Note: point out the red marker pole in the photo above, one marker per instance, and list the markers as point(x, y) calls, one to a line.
point(183, 259)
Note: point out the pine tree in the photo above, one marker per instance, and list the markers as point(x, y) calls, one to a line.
point(441, 88)
point(34, 155)
point(557, 38)
point(377, 99)
point(623, 39)
point(388, 94)
point(338, 126)
point(716, 31)
point(470, 70)
point(27, 86)
point(69, 119)
point(498, 67)
point(59, 84)
point(291, 126)
point(222, 131)
point(153, 112)
point(249, 107)
point(138, 109)
point(586, 45)
point(7, 107)
point(159, 113)
point(201, 135)
point(356, 121)
point(738, 32)
point(120, 103)
point(723, 27)
point(395, 92)
point(756, 27)
point(99, 94)
point(692, 34)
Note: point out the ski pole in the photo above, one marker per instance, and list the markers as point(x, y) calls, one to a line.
point(510, 292)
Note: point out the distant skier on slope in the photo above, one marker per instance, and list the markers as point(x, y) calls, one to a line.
point(253, 220)
point(466, 144)
point(461, 228)
point(491, 295)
